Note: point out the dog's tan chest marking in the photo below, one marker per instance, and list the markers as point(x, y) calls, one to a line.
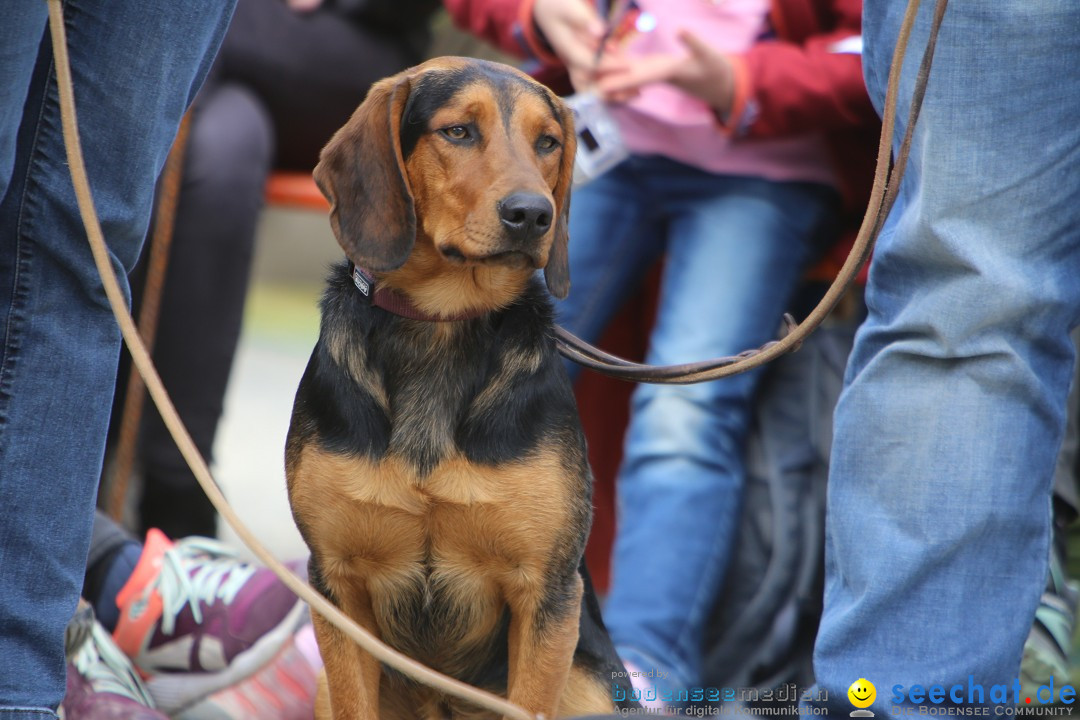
point(462, 541)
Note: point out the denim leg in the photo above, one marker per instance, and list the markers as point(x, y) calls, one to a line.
point(947, 432)
point(616, 234)
point(736, 249)
point(135, 64)
point(20, 36)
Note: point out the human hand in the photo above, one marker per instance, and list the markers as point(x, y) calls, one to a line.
point(703, 72)
point(574, 30)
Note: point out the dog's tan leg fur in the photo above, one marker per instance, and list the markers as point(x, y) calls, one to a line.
point(585, 695)
point(540, 657)
point(351, 690)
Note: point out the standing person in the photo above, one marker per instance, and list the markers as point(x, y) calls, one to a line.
point(136, 65)
point(748, 127)
point(947, 433)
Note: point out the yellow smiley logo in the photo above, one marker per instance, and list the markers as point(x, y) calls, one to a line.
point(862, 693)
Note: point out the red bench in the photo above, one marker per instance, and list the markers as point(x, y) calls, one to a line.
point(295, 190)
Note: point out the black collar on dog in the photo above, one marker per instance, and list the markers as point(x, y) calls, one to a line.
point(395, 302)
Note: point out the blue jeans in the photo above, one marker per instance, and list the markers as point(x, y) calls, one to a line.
point(948, 429)
point(136, 65)
point(735, 248)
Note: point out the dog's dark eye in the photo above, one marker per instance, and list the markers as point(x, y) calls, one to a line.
point(546, 143)
point(458, 133)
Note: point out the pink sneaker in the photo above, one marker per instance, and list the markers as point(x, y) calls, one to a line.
point(283, 690)
point(195, 619)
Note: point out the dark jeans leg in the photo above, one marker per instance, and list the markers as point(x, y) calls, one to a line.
point(228, 159)
point(310, 69)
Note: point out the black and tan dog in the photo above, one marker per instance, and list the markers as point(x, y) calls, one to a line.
point(435, 462)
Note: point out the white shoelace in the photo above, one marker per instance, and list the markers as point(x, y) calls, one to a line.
point(108, 669)
point(220, 574)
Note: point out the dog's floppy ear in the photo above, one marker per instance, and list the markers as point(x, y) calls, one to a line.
point(557, 271)
point(362, 173)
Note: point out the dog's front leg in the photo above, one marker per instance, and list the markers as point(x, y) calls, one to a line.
point(542, 650)
point(352, 674)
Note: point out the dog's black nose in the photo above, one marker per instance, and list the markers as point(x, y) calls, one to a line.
point(526, 216)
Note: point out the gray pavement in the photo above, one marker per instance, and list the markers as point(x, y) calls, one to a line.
point(281, 319)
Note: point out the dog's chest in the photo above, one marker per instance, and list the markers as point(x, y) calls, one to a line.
point(426, 400)
point(478, 394)
point(440, 555)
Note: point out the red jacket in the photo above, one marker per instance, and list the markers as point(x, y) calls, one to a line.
point(794, 81)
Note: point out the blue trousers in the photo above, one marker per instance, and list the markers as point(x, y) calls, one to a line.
point(948, 430)
point(136, 65)
point(734, 248)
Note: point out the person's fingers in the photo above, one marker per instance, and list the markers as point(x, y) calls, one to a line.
point(572, 27)
point(584, 18)
point(614, 62)
point(580, 80)
point(697, 47)
point(617, 78)
point(707, 74)
point(575, 50)
point(622, 96)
